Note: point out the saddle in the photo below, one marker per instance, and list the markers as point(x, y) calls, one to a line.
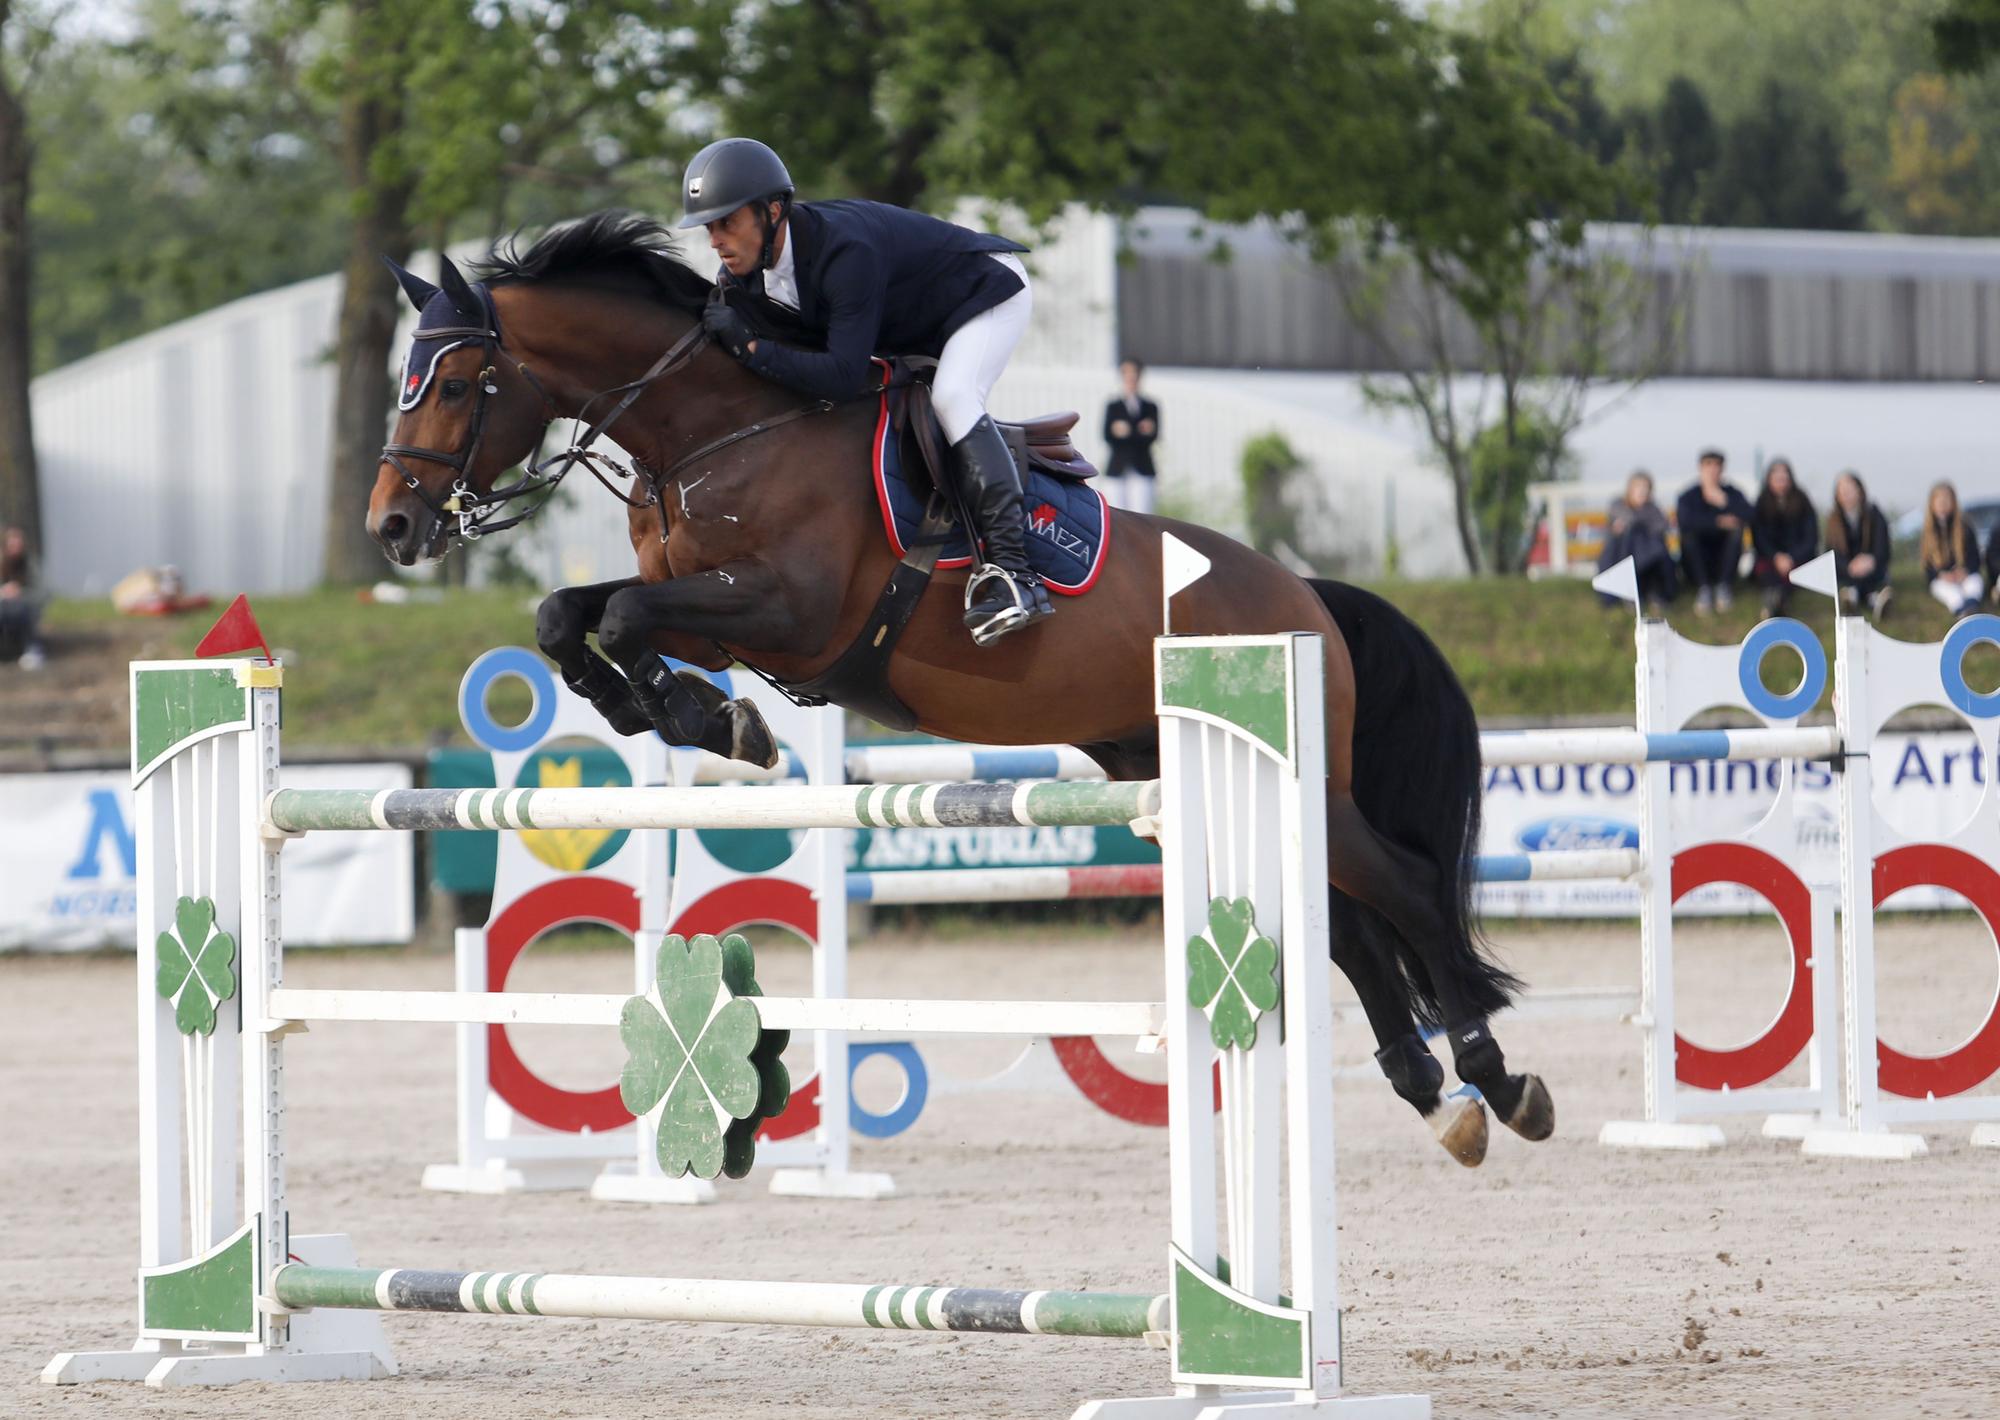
point(1043, 442)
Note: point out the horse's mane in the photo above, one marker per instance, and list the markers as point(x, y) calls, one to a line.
point(611, 247)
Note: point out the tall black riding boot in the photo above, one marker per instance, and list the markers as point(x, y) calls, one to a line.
point(1002, 595)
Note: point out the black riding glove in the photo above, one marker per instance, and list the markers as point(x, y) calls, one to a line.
point(730, 330)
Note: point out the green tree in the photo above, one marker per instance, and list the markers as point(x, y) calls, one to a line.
point(1966, 36)
point(1478, 242)
point(1781, 167)
point(24, 38)
point(442, 111)
point(1842, 65)
point(1933, 156)
point(1681, 143)
point(185, 181)
point(1037, 102)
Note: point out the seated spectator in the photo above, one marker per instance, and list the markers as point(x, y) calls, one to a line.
point(1712, 516)
point(1950, 552)
point(20, 601)
point(1993, 563)
point(1785, 532)
point(1635, 527)
point(1858, 537)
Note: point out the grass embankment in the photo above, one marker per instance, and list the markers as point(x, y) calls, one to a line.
point(381, 678)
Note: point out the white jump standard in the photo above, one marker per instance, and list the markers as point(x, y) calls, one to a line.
point(227, 1293)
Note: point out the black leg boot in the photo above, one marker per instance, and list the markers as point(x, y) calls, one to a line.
point(1003, 595)
point(1521, 1101)
point(609, 693)
point(674, 710)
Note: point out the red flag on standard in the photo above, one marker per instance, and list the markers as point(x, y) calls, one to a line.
point(236, 631)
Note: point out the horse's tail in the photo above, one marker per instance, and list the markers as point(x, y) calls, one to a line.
point(1417, 781)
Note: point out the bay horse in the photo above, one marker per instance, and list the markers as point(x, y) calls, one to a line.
point(757, 540)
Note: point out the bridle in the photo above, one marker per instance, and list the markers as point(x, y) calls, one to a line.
point(477, 514)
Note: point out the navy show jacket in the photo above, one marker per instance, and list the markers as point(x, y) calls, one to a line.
point(873, 278)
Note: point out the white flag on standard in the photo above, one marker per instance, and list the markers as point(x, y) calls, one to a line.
point(1180, 567)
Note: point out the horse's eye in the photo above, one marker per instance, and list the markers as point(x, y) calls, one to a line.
point(452, 389)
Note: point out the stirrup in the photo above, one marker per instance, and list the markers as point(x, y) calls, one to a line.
point(1030, 603)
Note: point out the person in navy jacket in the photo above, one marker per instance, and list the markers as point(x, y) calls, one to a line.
point(1785, 531)
point(862, 278)
point(1131, 427)
point(1712, 517)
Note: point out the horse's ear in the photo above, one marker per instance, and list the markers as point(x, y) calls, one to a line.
point(414, 286)
point(456, 287)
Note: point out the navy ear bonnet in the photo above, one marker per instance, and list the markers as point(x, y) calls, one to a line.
point(457, 314)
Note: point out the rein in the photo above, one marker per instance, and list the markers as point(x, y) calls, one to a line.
point(475, 512)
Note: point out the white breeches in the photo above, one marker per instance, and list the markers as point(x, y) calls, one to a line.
point(976, 354)
point(1957, 594)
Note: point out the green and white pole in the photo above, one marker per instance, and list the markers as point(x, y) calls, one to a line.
point(755, 806)
point(887, 1307)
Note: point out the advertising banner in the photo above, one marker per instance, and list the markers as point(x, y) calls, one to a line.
point(68, 865)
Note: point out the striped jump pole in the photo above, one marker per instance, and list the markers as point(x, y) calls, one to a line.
point(919, 763)
point(755, 806)
point(945, 886)
point(901, 1308)
point(1527, 747)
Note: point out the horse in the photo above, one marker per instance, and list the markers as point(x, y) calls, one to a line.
point(757, 541)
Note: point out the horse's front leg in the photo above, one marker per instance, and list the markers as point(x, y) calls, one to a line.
point(741, 603)
point(565, 617)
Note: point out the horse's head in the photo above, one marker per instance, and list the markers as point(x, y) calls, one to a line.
point(467, 414)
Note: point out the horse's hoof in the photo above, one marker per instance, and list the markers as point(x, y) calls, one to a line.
point(1459, 1122)
point(1534, 1117)
point(750, 739)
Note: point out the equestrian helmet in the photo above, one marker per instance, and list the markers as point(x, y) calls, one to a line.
point(727, 174)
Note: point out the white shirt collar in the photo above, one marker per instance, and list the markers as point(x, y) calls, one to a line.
point(781, 283)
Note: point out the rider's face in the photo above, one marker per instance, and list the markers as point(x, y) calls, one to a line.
point(738, 239)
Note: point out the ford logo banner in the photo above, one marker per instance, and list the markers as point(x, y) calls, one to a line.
point(1564, 835)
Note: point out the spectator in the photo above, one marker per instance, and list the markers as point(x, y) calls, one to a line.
point(1713, 516)
point(1858, 536)
point(1950, 552)
point(20, 602)
point(1785, 532)
point(1131, 425)
point(1635, 527)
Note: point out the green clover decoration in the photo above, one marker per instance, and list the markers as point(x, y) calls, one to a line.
point(702, 1066)
point(195, 963)
point(1232, 973)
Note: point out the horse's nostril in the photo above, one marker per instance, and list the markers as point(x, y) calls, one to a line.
point(392, 529)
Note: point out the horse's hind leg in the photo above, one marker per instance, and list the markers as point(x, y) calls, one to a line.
point(1364, 952)
point(1405, 888)
point(1361, 952)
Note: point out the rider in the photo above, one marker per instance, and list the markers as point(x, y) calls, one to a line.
point(868, 277)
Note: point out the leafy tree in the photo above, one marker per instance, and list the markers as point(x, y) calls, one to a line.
point(25, 37)
point(1842, 65)
point(1933, 156)
point(1682, 144)
point(1482, 234)
point(1781, 167)
point(1966, 36)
